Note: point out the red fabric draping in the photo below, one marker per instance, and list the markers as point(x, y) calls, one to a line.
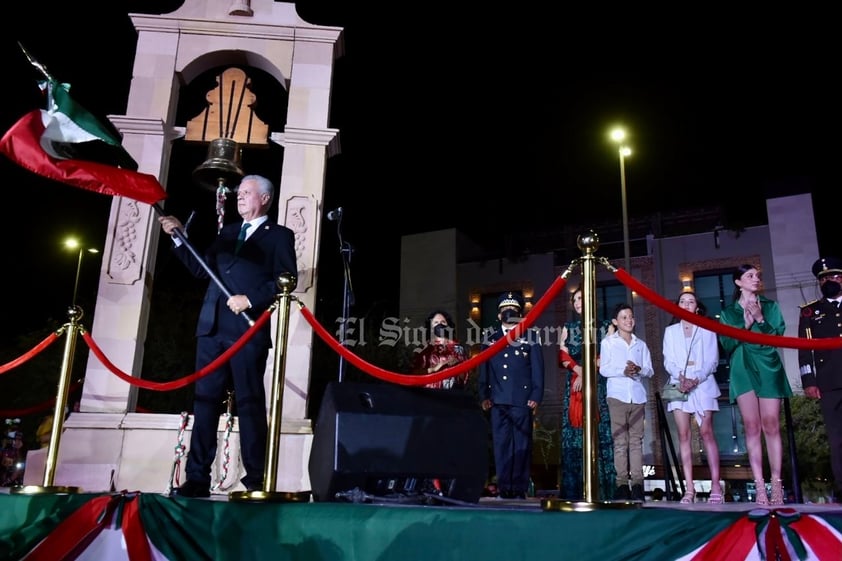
point(137, 545)
point(722, 329)
point(76, 532)
point(776, 534)
point(822, 541)
point(576, 409)
point(70, 538)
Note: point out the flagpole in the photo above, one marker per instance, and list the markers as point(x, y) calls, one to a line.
point(183, 239)
point(36, 64)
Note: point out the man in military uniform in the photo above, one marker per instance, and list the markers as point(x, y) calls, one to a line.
point(821, 370)
point(511, 385)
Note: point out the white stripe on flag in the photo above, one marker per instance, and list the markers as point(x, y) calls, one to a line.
point(60, 129)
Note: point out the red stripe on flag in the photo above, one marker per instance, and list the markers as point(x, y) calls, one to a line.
point(21, 144)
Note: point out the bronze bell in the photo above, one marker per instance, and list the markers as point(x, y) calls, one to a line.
point(222, 168)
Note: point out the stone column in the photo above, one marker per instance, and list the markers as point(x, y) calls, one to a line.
point(792, 232)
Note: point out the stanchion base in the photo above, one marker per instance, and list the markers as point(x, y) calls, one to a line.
point(583, 506)
point(266, 496)
point(43, 490)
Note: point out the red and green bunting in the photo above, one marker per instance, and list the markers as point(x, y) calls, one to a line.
point(773, 535)
point(151, 527)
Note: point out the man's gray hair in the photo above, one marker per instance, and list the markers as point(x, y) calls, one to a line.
point(263, 184)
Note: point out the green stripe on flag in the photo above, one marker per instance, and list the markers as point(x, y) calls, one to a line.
point(80, 116)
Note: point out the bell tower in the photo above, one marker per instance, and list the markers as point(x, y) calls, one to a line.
point(107, 443)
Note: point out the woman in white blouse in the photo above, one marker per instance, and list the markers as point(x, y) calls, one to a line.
point(691, 355)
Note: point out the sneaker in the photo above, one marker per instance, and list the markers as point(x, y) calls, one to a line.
point(637, 492)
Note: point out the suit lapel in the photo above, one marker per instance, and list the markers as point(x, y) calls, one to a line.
point(261, 232)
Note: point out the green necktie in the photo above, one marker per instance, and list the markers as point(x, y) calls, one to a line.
point(242, 237)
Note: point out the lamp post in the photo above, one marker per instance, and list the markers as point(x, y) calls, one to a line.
point(73, 243)
point(619, 135)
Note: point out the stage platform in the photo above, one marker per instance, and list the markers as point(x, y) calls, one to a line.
point(218, 529)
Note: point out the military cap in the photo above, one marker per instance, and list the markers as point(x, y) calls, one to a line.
point(827, 265)
point(510, 299)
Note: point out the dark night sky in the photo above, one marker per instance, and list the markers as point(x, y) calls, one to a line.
point(487, 120)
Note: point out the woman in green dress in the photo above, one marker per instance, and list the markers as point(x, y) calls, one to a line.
point(758, 379)
point(572, 457)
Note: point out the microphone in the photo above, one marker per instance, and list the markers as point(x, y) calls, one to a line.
point(334, 215)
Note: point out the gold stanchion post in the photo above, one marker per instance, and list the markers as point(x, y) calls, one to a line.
point(589, 243)
point(286, 283)
point(71, 330)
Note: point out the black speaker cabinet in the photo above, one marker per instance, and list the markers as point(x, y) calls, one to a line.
point(383, 440)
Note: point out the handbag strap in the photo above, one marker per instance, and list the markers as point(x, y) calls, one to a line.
point(689, 348)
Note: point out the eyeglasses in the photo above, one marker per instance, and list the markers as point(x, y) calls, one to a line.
point(835, 277)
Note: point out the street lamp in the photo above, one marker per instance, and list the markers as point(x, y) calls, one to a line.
point(618, 135)
point(73, 243)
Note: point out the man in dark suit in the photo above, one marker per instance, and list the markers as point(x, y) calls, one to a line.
point(511, 385)
point(249, 266)
point(821, 370)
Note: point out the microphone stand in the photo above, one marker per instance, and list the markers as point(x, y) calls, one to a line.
point(345, 250)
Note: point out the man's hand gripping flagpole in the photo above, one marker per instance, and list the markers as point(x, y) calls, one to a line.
point(183, 239)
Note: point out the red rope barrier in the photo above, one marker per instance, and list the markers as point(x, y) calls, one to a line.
point(461, 368)
point(43, 406)
point(175, 384)
point(721, 328)
point(422, 379)
point(36, 350)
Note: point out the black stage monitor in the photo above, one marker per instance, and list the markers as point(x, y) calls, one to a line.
point(390, 442)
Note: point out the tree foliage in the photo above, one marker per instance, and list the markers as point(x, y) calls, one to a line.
point(32, 386)
point(812, 452)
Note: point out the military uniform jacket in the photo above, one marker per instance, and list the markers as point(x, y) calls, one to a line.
point(514, 375)
point(822, 368)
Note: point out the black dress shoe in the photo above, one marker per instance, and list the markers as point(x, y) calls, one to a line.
point(192, 489)
point(637, 492)
point(622, 493)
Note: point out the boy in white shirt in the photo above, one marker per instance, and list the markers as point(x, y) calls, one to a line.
point(625, 360)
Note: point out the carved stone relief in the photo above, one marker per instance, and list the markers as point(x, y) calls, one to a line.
point(300, 217)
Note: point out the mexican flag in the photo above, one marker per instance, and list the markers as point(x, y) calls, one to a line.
point(66, 143)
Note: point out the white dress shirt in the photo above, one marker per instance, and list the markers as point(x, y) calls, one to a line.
point(614, 352)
